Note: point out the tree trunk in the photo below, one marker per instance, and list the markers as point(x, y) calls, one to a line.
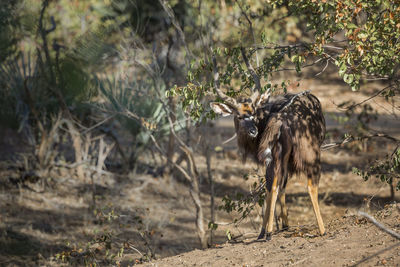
point(195, 194)
point(210, 178)
point(171, 139)
point(77, 144)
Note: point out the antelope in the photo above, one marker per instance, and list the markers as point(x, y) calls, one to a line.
point(284, 133)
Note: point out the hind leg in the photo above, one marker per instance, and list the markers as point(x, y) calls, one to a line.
point(313, 192)
point(284, 210)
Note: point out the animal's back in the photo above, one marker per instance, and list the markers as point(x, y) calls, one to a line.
point(305, 123)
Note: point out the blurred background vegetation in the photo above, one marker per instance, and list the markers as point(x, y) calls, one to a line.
point(87, 61)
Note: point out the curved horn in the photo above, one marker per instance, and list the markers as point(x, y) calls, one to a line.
point(258, 99)
point(227, 99)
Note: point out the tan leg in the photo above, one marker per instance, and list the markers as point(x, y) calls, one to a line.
point(270, 202)
point(313, 192)
point(274, 196)
point(266, 212)
point(284, 210)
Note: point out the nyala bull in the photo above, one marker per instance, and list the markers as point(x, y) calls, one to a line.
point(284, 133)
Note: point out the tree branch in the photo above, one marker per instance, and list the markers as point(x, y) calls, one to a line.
point(229, 100)
point(293, 98)
point(250, 26)
point(369, 98)
point(352, 138)
point(175, 22)
point(256, 78)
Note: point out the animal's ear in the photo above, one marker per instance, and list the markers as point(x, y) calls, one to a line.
point(263, 99)
point(221, 108)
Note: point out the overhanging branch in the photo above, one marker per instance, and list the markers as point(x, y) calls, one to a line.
point(256, 78)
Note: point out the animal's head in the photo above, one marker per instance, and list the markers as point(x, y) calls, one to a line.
point(245, 111)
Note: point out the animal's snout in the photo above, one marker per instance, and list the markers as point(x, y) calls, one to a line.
point(253, 132)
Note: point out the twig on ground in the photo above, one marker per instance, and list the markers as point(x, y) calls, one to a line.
point(379, 225)
point(300, 261)
point(376, 254)
point(135, 249)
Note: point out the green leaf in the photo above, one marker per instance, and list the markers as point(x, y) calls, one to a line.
point(348, 78)
point(351, 26)
point(363, 35)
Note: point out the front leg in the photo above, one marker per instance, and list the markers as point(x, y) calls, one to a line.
point(270, 203)
point(266, 212)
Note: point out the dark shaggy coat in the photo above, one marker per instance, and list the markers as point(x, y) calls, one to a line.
point(290, 136)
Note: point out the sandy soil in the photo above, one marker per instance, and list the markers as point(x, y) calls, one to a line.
point(350, 241)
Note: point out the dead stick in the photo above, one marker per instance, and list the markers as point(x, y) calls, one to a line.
point(379, 225)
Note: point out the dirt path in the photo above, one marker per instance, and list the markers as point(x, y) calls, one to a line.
point(350, 241)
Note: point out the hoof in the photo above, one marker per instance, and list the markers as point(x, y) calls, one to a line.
point(262, 234)
point(285, 227)
point(268, 236)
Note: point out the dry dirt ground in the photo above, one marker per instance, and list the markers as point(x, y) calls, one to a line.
point(350, 241)
point(147, 214)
